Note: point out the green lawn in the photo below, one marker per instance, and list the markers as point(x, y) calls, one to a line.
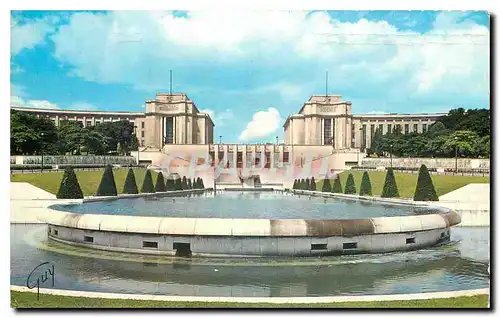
point(89, 180)
point(407, 182)
point(28, 300)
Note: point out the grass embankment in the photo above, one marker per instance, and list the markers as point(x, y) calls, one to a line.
point(89, 180)
point(28, 300)
point(408, 181)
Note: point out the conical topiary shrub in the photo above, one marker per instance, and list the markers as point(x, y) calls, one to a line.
point(425, 190)
point(170, 186)
point(337, 186)
point(184, 183)
point(390, 187)
point(69, 187)
point(294, 184)
point(178, 184)
point(107, 187)
point(160, 183)
point(307, 186)
point(312, 184)
point(130, 186)
point(302, 184)
point(190, 185)
point(147, 184)
point(366, 185)
point(202, 186)
point(350, 186)
point(327, 187)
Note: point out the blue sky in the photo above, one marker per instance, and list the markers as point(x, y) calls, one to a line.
point(251, 69)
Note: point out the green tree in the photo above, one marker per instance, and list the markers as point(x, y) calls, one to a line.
point(94, 141)
point(184, 183)
point(69, 187)
point(107, 187)
point(337, 186)
point(425, 190)
point(350, 186)
point(462, 140)
point(71, 137)
point(390, 189)
point(160, 183)
point(26, 134)
point(312, 184)
point(130, 186)
point(366, 185)
point(327, 187)
point(147, 184)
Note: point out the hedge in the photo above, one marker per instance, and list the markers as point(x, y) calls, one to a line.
point(69, 187)
point(366, 185)
point(350, 186)
point(107, 187)
point(147, 184)
point(160, 183)
point(337, 186)
point(327, 187)
point(130, 186)
point(425, 190)
point(390, 189)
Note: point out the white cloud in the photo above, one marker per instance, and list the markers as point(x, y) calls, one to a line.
point(219, 118)
point(28, 34)
point(263, 123)
point(365, 58)
point(17, 101)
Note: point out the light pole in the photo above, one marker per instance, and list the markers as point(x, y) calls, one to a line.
point(456, 155)
point(276, 139)
point(220, 139)
point(41, 150)
point(138, 161)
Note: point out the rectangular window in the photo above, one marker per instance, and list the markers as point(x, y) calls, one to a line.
point(363, 139)
point(318, 247)
point(327, 131)
point(89, 123)
point(276, 159)
point(398, 128)
point(56, 232)
point(353, 135)
point(169, 130)
point(285, 157)
point(410, 240)
point(372, 131)
point(257, 160)
point(389, 128)
point(230, 160)
point(348, 246)
point(268, 160)
point(149, 244)
point(142, 134)
point(249, 159)
point(239, 159)
point(415, 128)
point(221, 157)
point(424, 128)
point(407, 129)
point(88, 239)
point(381, 128)
point(212, 158)
point(142, 125)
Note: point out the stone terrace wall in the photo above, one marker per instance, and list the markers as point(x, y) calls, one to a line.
point(429, 162)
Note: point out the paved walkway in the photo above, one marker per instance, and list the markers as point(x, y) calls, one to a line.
point(272, 300)
point(28, 202)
